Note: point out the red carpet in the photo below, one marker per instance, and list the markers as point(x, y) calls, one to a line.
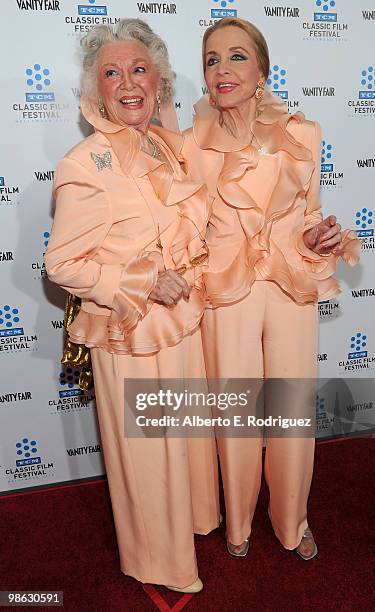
point(64, 540)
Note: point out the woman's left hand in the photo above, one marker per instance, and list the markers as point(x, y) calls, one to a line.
point(324, 238)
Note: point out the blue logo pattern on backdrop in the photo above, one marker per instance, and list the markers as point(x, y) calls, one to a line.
point(277, 81)
point(91, 9)
point(364, 220)
point(326, 10)
point(9, 320)
point(225, 9)
point(39, 79)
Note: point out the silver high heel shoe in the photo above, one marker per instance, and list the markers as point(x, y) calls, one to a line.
point(243, 552)
point(308, 534)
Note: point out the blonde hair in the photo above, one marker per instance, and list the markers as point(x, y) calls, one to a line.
point(125, 30)
point(255, 35)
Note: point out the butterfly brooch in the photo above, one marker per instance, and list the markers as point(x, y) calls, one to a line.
point(102, 161)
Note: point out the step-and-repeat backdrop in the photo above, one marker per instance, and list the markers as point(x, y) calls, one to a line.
point(322, 63)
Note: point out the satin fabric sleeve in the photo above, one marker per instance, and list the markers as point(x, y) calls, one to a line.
point(322, 265)
point(313, 212)
point(82, 221)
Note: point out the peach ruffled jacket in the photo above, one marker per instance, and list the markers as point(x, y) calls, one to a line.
point(264, 202)
point(112, 202)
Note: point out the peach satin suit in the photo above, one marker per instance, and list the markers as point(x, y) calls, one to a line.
point(113, 204)
point(263, 285)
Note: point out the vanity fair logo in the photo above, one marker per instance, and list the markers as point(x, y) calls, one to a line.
point(277, 82)
point(319, 92)
point(157, 8)
point(358, 357)
point(328, 310)
point(324, 23)
point(368, 15)
point(281, 11)
point(9, 194)
point(71, 399)
point(13, 338)
point(57, 324)
point(366, 163)
point(364, 225)
point(38, 266)
point(330, 178)
point(6, 256)
point(89, 14)
point(38, 5)
point(29, 464)
point(17, 396)
point(81, 451)
point(364, 104)
point(363, 293)
point(44, 175)
point(40, 104)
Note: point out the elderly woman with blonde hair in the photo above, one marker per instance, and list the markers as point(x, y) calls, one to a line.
point(128, 239)
point(272, 257)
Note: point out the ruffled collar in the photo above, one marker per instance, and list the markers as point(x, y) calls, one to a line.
point(269, 129)
point(169, 181)
point(127, 142)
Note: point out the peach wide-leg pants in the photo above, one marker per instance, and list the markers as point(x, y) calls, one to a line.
point(162, 489)
point(264, 335)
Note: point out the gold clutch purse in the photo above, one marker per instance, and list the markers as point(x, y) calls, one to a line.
point(76, 355)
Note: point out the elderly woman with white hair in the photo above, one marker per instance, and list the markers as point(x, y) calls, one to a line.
point(128, 239)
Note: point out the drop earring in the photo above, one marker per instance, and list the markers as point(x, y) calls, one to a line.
point(102, 111)
point(158, 102)
point(260, 89)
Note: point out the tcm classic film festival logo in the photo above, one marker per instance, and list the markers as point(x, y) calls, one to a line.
point(330, 177)
point(364, 104)
point(9, 194)
point(358, 357)
point(40, 104)
point(324, 420)
point(325, 23)
point(88, 15)
point(364, 226)
point(329, 309)
point(28, 464)
point(277, 83)
point(38, 266)
point(13, 337)
point(218, 10)
point(70, 398)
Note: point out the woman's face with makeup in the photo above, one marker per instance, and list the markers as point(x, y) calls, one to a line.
point(231, 67)
point(127, 83)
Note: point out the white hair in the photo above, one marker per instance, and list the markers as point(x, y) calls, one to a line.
point(124, 30)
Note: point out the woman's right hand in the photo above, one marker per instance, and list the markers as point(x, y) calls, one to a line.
point(169, 289)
